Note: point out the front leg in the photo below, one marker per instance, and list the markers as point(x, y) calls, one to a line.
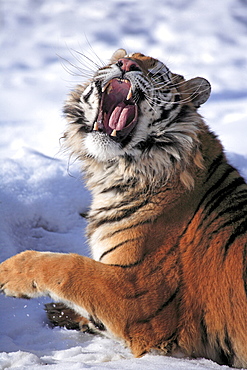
point(132, 303)
point(63, 277)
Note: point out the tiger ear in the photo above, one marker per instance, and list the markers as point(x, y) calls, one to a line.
point(120, 53)
point(198, 89)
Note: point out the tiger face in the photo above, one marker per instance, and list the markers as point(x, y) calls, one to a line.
point(129, 108)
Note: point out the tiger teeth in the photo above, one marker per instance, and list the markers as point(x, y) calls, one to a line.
point(114, 133)
point(129, 96)
point(105, 87)
point(96, 127)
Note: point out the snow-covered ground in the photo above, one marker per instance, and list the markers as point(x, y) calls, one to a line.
point(41, 196)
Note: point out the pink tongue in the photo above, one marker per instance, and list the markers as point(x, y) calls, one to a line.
point(121, 116)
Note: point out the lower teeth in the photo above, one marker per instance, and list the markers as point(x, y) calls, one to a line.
point(114, 133)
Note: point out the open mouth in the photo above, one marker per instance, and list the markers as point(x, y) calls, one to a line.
point(118, 112)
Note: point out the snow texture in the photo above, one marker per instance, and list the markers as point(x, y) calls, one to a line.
point(41, 192)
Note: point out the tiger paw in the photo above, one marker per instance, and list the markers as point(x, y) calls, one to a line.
point(18, 276)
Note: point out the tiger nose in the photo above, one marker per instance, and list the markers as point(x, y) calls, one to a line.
point(127, 65)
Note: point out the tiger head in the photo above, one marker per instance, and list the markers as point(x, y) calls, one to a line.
point(134, 107)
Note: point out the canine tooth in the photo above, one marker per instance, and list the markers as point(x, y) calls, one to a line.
point(109, 89)
point(96, 126)
point(105, 87)
point(129, 96)
point(114, 133)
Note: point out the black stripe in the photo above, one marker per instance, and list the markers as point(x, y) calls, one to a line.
point(216, 200)
point(227, 353)
point(160, 309)
point(203, 331)
point(218, 197)
point(145, 145)
point(87, 96)
point(218, 183)
point(172, 336)
point(122, 187)
point(134, 264)
point(214, 187)
point(137, 295)
point(75, 114)
point(123, 204)
point(134, 197)
point(236, 210)
point(97, 323)
point(214, 165)
point(159, 264)
point(229, 222)
point(208, 192)
point(119, 188)
point(117, 246)
point(164, 115)
point(109, 235)
point(238, 232)
point(171, 250)
point(240, 217)
point(124, 214)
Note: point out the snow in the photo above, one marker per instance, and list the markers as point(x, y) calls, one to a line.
point(41, 192)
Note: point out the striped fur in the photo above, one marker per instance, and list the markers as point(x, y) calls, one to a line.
point(167, 226)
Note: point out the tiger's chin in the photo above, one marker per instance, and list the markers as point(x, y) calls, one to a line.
point(101, 147)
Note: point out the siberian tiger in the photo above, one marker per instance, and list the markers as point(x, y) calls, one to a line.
point(167, 225)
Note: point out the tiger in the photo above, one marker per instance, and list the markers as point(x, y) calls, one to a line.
point(167, 225)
